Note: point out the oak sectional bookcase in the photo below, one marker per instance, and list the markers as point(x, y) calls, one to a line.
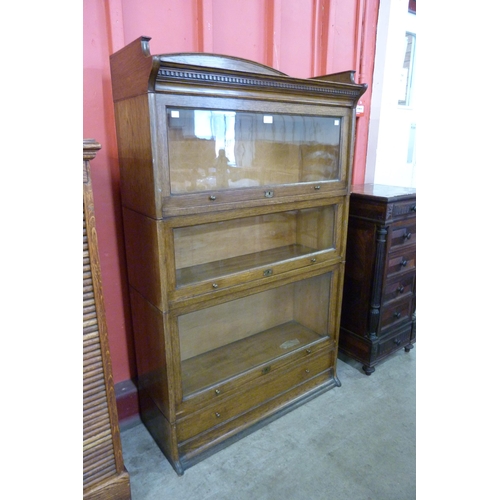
point(235, 188)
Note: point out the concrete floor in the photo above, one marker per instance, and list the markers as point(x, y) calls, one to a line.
point(356, 442)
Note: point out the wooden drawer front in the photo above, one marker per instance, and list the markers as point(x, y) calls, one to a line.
point(402, 209)
point(198, 444)
point(398, 288)
point(250, 397)
point(401, 261)
point(396, 313)
point(395, 342)
point(232, 386)
point(403, 234)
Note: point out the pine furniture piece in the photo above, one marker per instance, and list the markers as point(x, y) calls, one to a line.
point(378, 310)
point(234, 186)
point(104, 474)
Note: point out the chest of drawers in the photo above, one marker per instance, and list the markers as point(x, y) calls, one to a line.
point(378, 311)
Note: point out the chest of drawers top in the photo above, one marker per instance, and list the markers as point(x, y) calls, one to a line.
point(383, 203)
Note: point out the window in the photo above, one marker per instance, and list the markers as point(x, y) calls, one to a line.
point(406, 76)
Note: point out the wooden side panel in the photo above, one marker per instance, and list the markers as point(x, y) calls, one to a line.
point(102, 455)
point(142, 245)
point(135, 155)
point(150, 349)
point(359, 270)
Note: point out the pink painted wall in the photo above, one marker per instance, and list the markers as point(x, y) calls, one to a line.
point(302, 38)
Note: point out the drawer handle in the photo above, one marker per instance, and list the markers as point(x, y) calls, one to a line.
point(313, 260)
point(397, 315)
point(307, 370)
point(397, 341)
point(268, 194)
point(212, 197)
point(217, 392)
point(217, 414)
point(404, 262)
point(268, 272)
point(317, 187)
point(414, 208)
point(308, 351)
point(265, 370)
point(401, 289)
point(407, 236)
point(215, 285)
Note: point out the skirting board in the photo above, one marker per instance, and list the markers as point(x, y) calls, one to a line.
point(127, 403)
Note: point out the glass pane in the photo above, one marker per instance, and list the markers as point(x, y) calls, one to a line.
point(215, 149)
point(406, 77)
point(209, 251)
point(221, 341)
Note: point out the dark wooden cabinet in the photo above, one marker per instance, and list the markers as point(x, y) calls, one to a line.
point(234, 185)
point(104, 474)
point(378, 310)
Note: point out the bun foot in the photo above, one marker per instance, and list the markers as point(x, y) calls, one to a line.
point(368, 369)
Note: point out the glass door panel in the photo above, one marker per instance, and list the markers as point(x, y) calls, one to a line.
point(222, 341)
point(219, 149)
point(209, 251)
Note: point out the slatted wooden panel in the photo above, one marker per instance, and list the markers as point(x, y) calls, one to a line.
point(104, 475)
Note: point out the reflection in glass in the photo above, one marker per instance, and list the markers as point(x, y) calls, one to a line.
point(215, 149)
